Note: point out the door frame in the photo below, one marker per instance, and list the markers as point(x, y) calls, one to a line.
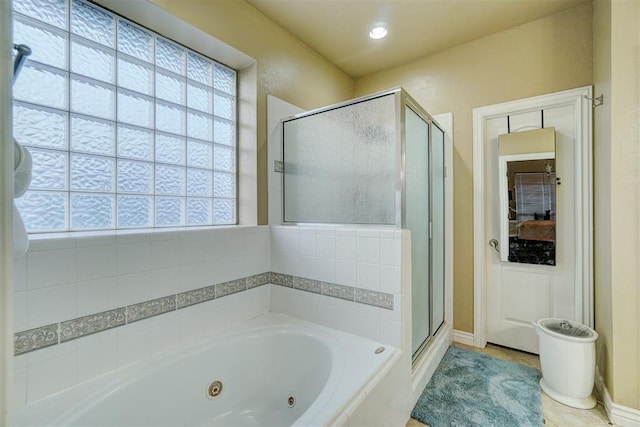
point(584, 200)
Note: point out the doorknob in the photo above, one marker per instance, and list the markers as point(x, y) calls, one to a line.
point(495, 245)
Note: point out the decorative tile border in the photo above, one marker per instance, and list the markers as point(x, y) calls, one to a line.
point(35, 339)
point(228, 288)
point(151, 308)
point(308, 285)
point(378, 299)
point(185, 299)
point(91, 324)
point(349, 293)
point(281, 279)
point(258, 280)
point(45, 336)
point(338, 291)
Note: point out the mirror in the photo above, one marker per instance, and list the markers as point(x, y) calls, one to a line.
point(527, 182)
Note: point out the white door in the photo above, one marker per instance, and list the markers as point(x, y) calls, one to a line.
point(518, 292)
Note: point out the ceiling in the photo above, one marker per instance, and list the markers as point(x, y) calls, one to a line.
point(339, 29)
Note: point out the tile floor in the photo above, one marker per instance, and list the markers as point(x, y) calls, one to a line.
point(554, 413)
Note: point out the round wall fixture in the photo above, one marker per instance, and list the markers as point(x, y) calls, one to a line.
point(378, 32)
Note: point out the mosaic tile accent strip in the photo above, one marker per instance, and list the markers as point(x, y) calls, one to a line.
point(338, 291)
point(196, 296)
point(281, 279)
point(151, 308)
point(45, 336)
point(257, 280)
point(228, 288)
point(87, 325)
point(349, 293)
point(378, 299)
point(35, 339)
point(308, 285)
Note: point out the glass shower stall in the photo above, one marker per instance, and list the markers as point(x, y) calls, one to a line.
point(379, 161)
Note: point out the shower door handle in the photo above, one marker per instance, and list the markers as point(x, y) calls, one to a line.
point(495, 245)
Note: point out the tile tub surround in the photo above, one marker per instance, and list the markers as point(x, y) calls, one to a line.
point(37, 338)
point(349, 293)
point(67, 277)
point(363, 258)
point(361, 264)
point(71, 276)
point(39, 374)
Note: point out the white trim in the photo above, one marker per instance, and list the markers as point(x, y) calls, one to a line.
point(462, 337)
point(446, 121)
point(622, 416)
point(425, 367)
point(6, 218)
point(584, 203)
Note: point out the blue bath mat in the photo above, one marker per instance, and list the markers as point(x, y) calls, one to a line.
point(471, 389)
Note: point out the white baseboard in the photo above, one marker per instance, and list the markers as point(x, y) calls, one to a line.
point(463, 337)
point(622, 416)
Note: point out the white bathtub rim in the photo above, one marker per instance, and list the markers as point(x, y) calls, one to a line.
point(321, 415)
point(353, 403)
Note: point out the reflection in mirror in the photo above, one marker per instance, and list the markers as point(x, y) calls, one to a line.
point(528, 196)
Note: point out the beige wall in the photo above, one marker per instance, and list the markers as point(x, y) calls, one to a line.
point(625, 200)
point(544, 56)
point(602, 188)
point(286, 68)
point(617, 197)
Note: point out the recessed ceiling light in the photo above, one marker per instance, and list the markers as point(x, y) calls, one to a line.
point(378, 32)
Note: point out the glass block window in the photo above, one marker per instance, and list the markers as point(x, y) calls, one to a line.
point(127, 129)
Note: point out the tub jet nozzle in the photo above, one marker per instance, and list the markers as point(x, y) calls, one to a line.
point(214, 389)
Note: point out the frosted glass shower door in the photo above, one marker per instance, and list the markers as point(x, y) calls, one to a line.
point(417, 220)
point(340, 164)
point(437, 225)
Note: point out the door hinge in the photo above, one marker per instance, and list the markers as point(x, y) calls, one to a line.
point(444, 171)
point(430, 230)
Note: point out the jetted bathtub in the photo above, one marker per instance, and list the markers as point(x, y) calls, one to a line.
point(270, 371)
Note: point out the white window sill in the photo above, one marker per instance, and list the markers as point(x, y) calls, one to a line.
point(44, 241)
